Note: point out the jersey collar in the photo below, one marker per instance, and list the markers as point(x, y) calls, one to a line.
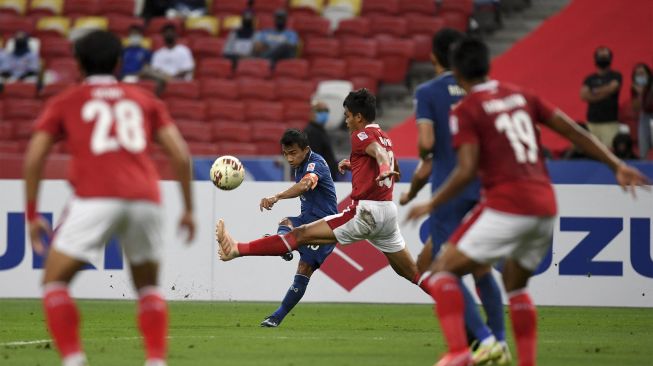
point(100, 79)
point(374, 125)
point(488, 85)
point(444, 75)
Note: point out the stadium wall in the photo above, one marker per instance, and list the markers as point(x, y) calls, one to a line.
point(601, 253)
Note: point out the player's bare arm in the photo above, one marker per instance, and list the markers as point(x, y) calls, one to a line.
point(344, 165)
point(377, 151)
point(627, 176)
point(307, 183)
point(460, 177)
point(37, 151)
point(418, 181)
point(174, 145)
point(425, 138)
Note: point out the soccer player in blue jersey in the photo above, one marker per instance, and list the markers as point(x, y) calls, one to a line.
point(434, 100)
point(314, 186)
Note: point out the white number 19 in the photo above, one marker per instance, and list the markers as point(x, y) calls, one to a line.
point(128, 119)
point(518, 128)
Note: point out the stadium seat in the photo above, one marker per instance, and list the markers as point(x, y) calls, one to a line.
point(58, 47)
point(22, 128)
point(268, 6)
point(418, 7)
point(329, 68)
point(10, 24)
point(46, 7)
point(120, 24)
point(25, 109)
point(205, 26)
point(53, 26)
point(390, 25)
point(455, 20)
point(294, 90)
point(291, 68)
point(19, 90)
point(297, 111)
point(219, 89)
point(335, 15)
point(311, 7)
point(149, 85)
point(264, 111)
point(321, 47)
point(65, 70)
point(423, 46)
point(359, 27)
point(91, 22)
point(265, 21)
point(376, 7)
point(230, 110)
point(207, 47)
point(333, 92)
point(74, 8)
point(267, 148)
point(232, 131)
point(236, 148)
point(2, 110)
point(229, 7)
point(353, 5)
point(310, 25)
point(182, 90)
point(155, 25)
point(195, 130)
point(214, 68)
point(428, 26)
point(256, 89)
point(6, 131)
point(13, 7)
point(117, 7)
point(253, 67)
point(230, 22)
point(395, 54)
point(187, 109)
point(368, 67)
point(265, 131)
point(11, 147)
point(358, 47)
point(465, 7)
point(371, 84)
point(203, 149)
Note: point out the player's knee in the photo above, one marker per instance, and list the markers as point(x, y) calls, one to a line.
point(305, 269)
point(300, 234)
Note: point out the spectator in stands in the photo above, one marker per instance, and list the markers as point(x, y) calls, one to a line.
point(186, 8)
point(601, 91)
point(240, 42)
point(135, 57)
point(173, 60)
point(318, 138)
point(641, 93)
point(21, 64)
point(622, 145)
point(155, 8)
point(276, 43)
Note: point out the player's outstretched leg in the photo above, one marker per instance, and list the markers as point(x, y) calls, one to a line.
point(227, 246)
point(268, 246)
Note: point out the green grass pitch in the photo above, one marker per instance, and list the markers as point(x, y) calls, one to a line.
point(228, 333)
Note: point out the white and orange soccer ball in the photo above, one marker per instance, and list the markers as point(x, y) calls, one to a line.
point(227, 172)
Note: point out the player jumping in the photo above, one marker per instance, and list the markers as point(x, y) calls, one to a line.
point(314, 185)
point(372, 215)
point(108, 127)
point(494, 130)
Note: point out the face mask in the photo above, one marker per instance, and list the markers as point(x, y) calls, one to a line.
point(135, 40)
point(641, 80)
point(280, 25)
point(602, 62)
point(321, 117)
point(20, 47)
point(170, 40)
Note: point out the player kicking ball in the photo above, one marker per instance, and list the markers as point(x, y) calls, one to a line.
point(372, 215)
point(496, 135)
point(313, 183)
point(108, 127)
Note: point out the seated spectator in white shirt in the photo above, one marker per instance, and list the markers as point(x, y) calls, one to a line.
point(240, 42)
point(174, 60)
point(22, 63)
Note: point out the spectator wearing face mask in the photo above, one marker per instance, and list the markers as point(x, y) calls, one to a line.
point(601, 92)
point(21, 63)
point(318, 139)
point(641, 93)
point(135, 57)
point(240, 42)
point(276, 43)
point(173, 60)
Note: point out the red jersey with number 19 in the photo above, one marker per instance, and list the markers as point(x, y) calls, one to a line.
point(365, 169)
point(108, 127)
point(502, 119)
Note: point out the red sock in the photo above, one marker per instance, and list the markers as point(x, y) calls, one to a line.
point(449, 307)
point(524, 326)
point(153, 322)
point(62, 318)
point(271, 245)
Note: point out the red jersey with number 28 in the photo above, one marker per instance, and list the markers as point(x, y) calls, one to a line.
point(502, 120)
point(365, 168)
point(108, 127)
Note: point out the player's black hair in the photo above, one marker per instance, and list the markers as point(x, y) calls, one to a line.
point(363, 102)
point(98, 52)
point(294, 136)
point(442, 42)
point(471, 58)
point(168, 26)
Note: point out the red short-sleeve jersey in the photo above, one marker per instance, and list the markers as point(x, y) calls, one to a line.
point(108, 127)
point(503, 121)
point(365, 169)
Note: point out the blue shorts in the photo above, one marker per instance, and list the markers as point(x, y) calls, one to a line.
point(446, 219)
point(313, 255)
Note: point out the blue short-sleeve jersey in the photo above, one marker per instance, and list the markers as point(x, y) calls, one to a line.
point(320, 201)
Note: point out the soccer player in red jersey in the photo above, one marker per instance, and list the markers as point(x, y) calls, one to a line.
point(495, 131)
point(108, 127)
point(372, 215)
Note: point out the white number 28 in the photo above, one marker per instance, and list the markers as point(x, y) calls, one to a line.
point(127, 117)
point(519, 130)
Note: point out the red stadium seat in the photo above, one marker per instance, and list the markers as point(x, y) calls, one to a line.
point(149, 85)
point(265, 21)
point(207, 47)
point(264, 111)
point(2, 110)
point(229, 7)
point(187, 109)
point(156, 24)
point(295, 90)
point(195, 130)
point(6, 131)
point(226, 110)
point(22, 109)
point(52, 47)
point(314, 25)
point(268, 148)
point(219, 89)
point(65, 70)
point(386, 7)
point(360, 27)
point(268, 6)
point(292, 68)
point(10, 24)
point(371, 84)
point(182, 90)
point(358, 47)
point(254, 67)
point(11, 147)
point(116, 7)
point(465, 7)
point(428, 26)
point(423, 47)
point(296, 111)
point(23, 128)
point(455, 20)
point(232, 131)
point(237, 148)
point(19, 90)
point(321, 47)
point(368, 67)
point(329, 68)
point(214, 68)
point(394, 26)
point(120, 24)
point(395, 54)
point(73, 8)
point(264, 131)
point(256, 89)
point(203, 149)
point(421, 7)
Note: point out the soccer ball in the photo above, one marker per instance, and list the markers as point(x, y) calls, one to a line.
point(227, 172)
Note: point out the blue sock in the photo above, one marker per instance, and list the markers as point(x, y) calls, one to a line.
point(283, 229)
point(490, 295)
point(473, 319)
point(294, 294)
